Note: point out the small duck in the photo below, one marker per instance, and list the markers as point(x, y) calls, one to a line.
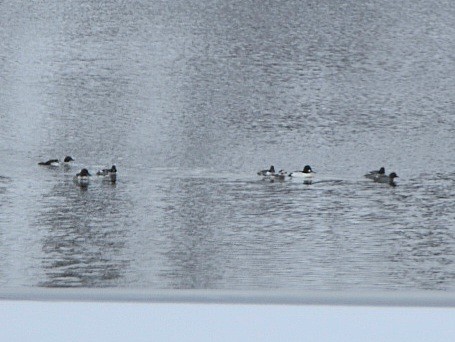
point(110, 174)
point(386, 179)
point(50, 162)
point(307, 173)
point(281, 175)
point(375, 173)
point(82, 178)
point(56, 162)
point(269, 172)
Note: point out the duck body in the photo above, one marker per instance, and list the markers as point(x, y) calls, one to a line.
point(267, 173)
point(50, 162)
point(388, 179)
point(280, 176)
point(306, 173)
point(375, 173)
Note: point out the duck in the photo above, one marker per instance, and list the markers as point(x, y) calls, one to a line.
point(269, 172)
point(281, 175)
point(307, 173)
point(375, 173)
point(82, 178)
point(68, 159)
point(386, 179)
point(50, 162)
point(105, 172)
point(56, 162)
point(110, 174)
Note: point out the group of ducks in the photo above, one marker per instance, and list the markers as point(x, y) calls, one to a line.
point(307, 174)
point(82, 178)
point(380, 176)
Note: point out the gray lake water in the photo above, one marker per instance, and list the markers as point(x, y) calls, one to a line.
point(189, 99)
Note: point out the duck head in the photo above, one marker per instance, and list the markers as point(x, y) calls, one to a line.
point(307, 169)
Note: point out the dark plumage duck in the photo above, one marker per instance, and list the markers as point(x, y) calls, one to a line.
point(109, 174)
point(269, 172)
point(375, 173)
point(56, 162)
point(82, 178)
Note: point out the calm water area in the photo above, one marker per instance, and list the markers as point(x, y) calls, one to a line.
point(189, 99)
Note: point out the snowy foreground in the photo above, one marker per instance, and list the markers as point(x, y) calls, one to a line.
point(118, 315)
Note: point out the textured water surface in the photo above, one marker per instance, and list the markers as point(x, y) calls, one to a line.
point(190, 99)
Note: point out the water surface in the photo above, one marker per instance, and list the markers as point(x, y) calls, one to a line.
point(190, 99)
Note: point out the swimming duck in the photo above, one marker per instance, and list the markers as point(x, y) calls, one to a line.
point(82, 178)
point(281, 175)
point(105, 172)
point(386, 179)
point(375, 173)
point(307, 173)
point(269, 172)
point(50, 162)
point(56, 162)
point(68, 159)
point(110, 174)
